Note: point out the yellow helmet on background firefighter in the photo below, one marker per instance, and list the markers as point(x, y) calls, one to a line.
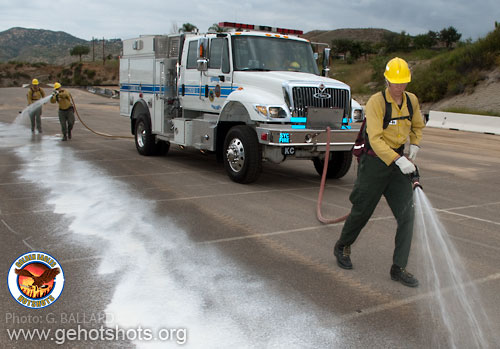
point(397, 71)
point(34, 82)
point(57, 85)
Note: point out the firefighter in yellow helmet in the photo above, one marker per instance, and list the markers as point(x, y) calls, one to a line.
point(384, 168)
point(66, 115)
point(35, 93)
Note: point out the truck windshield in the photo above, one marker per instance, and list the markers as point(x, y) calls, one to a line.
point(257, 53)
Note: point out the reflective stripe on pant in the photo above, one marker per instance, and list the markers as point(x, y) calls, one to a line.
point(375, 179)
point(67, 120)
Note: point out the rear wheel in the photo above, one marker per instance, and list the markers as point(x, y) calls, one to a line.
point(144, 139)
point(242, 154)
point(338, 166)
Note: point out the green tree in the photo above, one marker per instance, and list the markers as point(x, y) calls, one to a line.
point(404, 41)
point(187, 28)
point(449, 36)
point(390, 42)
point(342, 46)
point(425, 40)
point(216, 28)
point(356, 50)
point(79, 50)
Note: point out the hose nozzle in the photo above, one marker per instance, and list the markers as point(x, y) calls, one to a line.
point(415, 179)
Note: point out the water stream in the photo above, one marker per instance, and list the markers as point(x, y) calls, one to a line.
point(23, 117)
point(456, 303)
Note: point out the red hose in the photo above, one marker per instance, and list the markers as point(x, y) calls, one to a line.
point(322, 186)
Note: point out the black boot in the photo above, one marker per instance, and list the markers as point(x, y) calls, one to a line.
point(64, 138)
point(343, 255)
point(401, 275)
point(69, 134)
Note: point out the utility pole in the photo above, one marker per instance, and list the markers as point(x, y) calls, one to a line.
point(93, 49)
point(103, 57)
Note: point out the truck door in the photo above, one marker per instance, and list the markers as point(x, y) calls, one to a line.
point(216, 81)
point(159, 96)
point(190, 79)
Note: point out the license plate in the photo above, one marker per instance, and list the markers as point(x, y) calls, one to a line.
point(288, 150)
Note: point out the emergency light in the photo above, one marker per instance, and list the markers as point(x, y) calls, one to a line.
point(260, 27)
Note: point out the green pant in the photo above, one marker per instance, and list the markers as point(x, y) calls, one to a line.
point(375, 179)
point(36, 119)
point(67, 120)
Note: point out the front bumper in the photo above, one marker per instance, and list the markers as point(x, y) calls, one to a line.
point(285, 136)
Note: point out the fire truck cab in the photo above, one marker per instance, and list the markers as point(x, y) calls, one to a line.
point(248, 93)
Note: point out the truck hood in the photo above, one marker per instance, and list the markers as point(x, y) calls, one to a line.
point(273, 81)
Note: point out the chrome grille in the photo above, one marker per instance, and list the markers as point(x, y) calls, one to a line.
point(303, 97)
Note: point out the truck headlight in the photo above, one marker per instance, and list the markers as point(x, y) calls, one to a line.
point(272, 112)
point(277, 112)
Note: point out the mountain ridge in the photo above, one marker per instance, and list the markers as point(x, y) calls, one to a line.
point(47, 46)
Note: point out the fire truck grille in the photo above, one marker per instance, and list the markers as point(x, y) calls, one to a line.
point(304, 97)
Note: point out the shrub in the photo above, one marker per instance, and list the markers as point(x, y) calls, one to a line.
point(452, 73)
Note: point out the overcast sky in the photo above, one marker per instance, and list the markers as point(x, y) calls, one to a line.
point(125, 18)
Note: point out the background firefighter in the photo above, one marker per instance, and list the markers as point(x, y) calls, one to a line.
point(34, 94)
point(386, 171)
point(66, 115)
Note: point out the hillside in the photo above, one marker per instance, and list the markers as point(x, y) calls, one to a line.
point(39, 45)
point(372, 35)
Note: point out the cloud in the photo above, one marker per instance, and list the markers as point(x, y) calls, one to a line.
point(125, 19)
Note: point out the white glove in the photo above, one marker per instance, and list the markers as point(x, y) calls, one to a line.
point(405, 165)
point(413, 152)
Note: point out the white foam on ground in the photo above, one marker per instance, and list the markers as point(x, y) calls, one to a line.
point(165, 280)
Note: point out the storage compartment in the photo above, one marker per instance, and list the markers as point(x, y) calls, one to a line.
point(183, 132)
point(205, 134)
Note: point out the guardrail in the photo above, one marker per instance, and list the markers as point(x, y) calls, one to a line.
point(464, 122)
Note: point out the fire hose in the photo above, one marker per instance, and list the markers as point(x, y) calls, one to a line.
point(91, 130)
point(414, 178)
point(322, 186)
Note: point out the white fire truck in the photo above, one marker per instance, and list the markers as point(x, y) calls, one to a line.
point(249, 94)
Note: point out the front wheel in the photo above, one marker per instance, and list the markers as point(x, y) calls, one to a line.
point(242, 154)
point(338, 166)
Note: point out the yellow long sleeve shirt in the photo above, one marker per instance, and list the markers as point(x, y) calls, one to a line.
point(63, 98)
point(35, 95)
point(385, 141)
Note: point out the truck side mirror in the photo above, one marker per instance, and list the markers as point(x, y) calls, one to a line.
point(326, 61)
point(202, 61)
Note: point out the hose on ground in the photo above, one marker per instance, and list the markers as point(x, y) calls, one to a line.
point(91, 130)
point(322, 186)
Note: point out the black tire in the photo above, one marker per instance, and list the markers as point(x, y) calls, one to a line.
point(242, 154)
point(144, 139)
point(338, 166)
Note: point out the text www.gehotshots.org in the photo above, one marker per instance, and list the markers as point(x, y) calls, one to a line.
point(63, 335)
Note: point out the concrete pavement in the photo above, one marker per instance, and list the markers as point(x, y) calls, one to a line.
point(170, 242)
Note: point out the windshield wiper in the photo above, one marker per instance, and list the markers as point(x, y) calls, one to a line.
point(254, 69)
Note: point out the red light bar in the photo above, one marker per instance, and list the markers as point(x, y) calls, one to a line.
point(260, 27)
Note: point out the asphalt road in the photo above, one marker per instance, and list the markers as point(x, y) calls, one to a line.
point(171, 245)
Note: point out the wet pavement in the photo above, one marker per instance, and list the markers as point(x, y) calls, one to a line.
point(170, 245)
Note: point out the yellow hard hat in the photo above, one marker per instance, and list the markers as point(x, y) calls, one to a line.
point(397, 71)
point(34, 82)
point(57, 85)
point(295, 65)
